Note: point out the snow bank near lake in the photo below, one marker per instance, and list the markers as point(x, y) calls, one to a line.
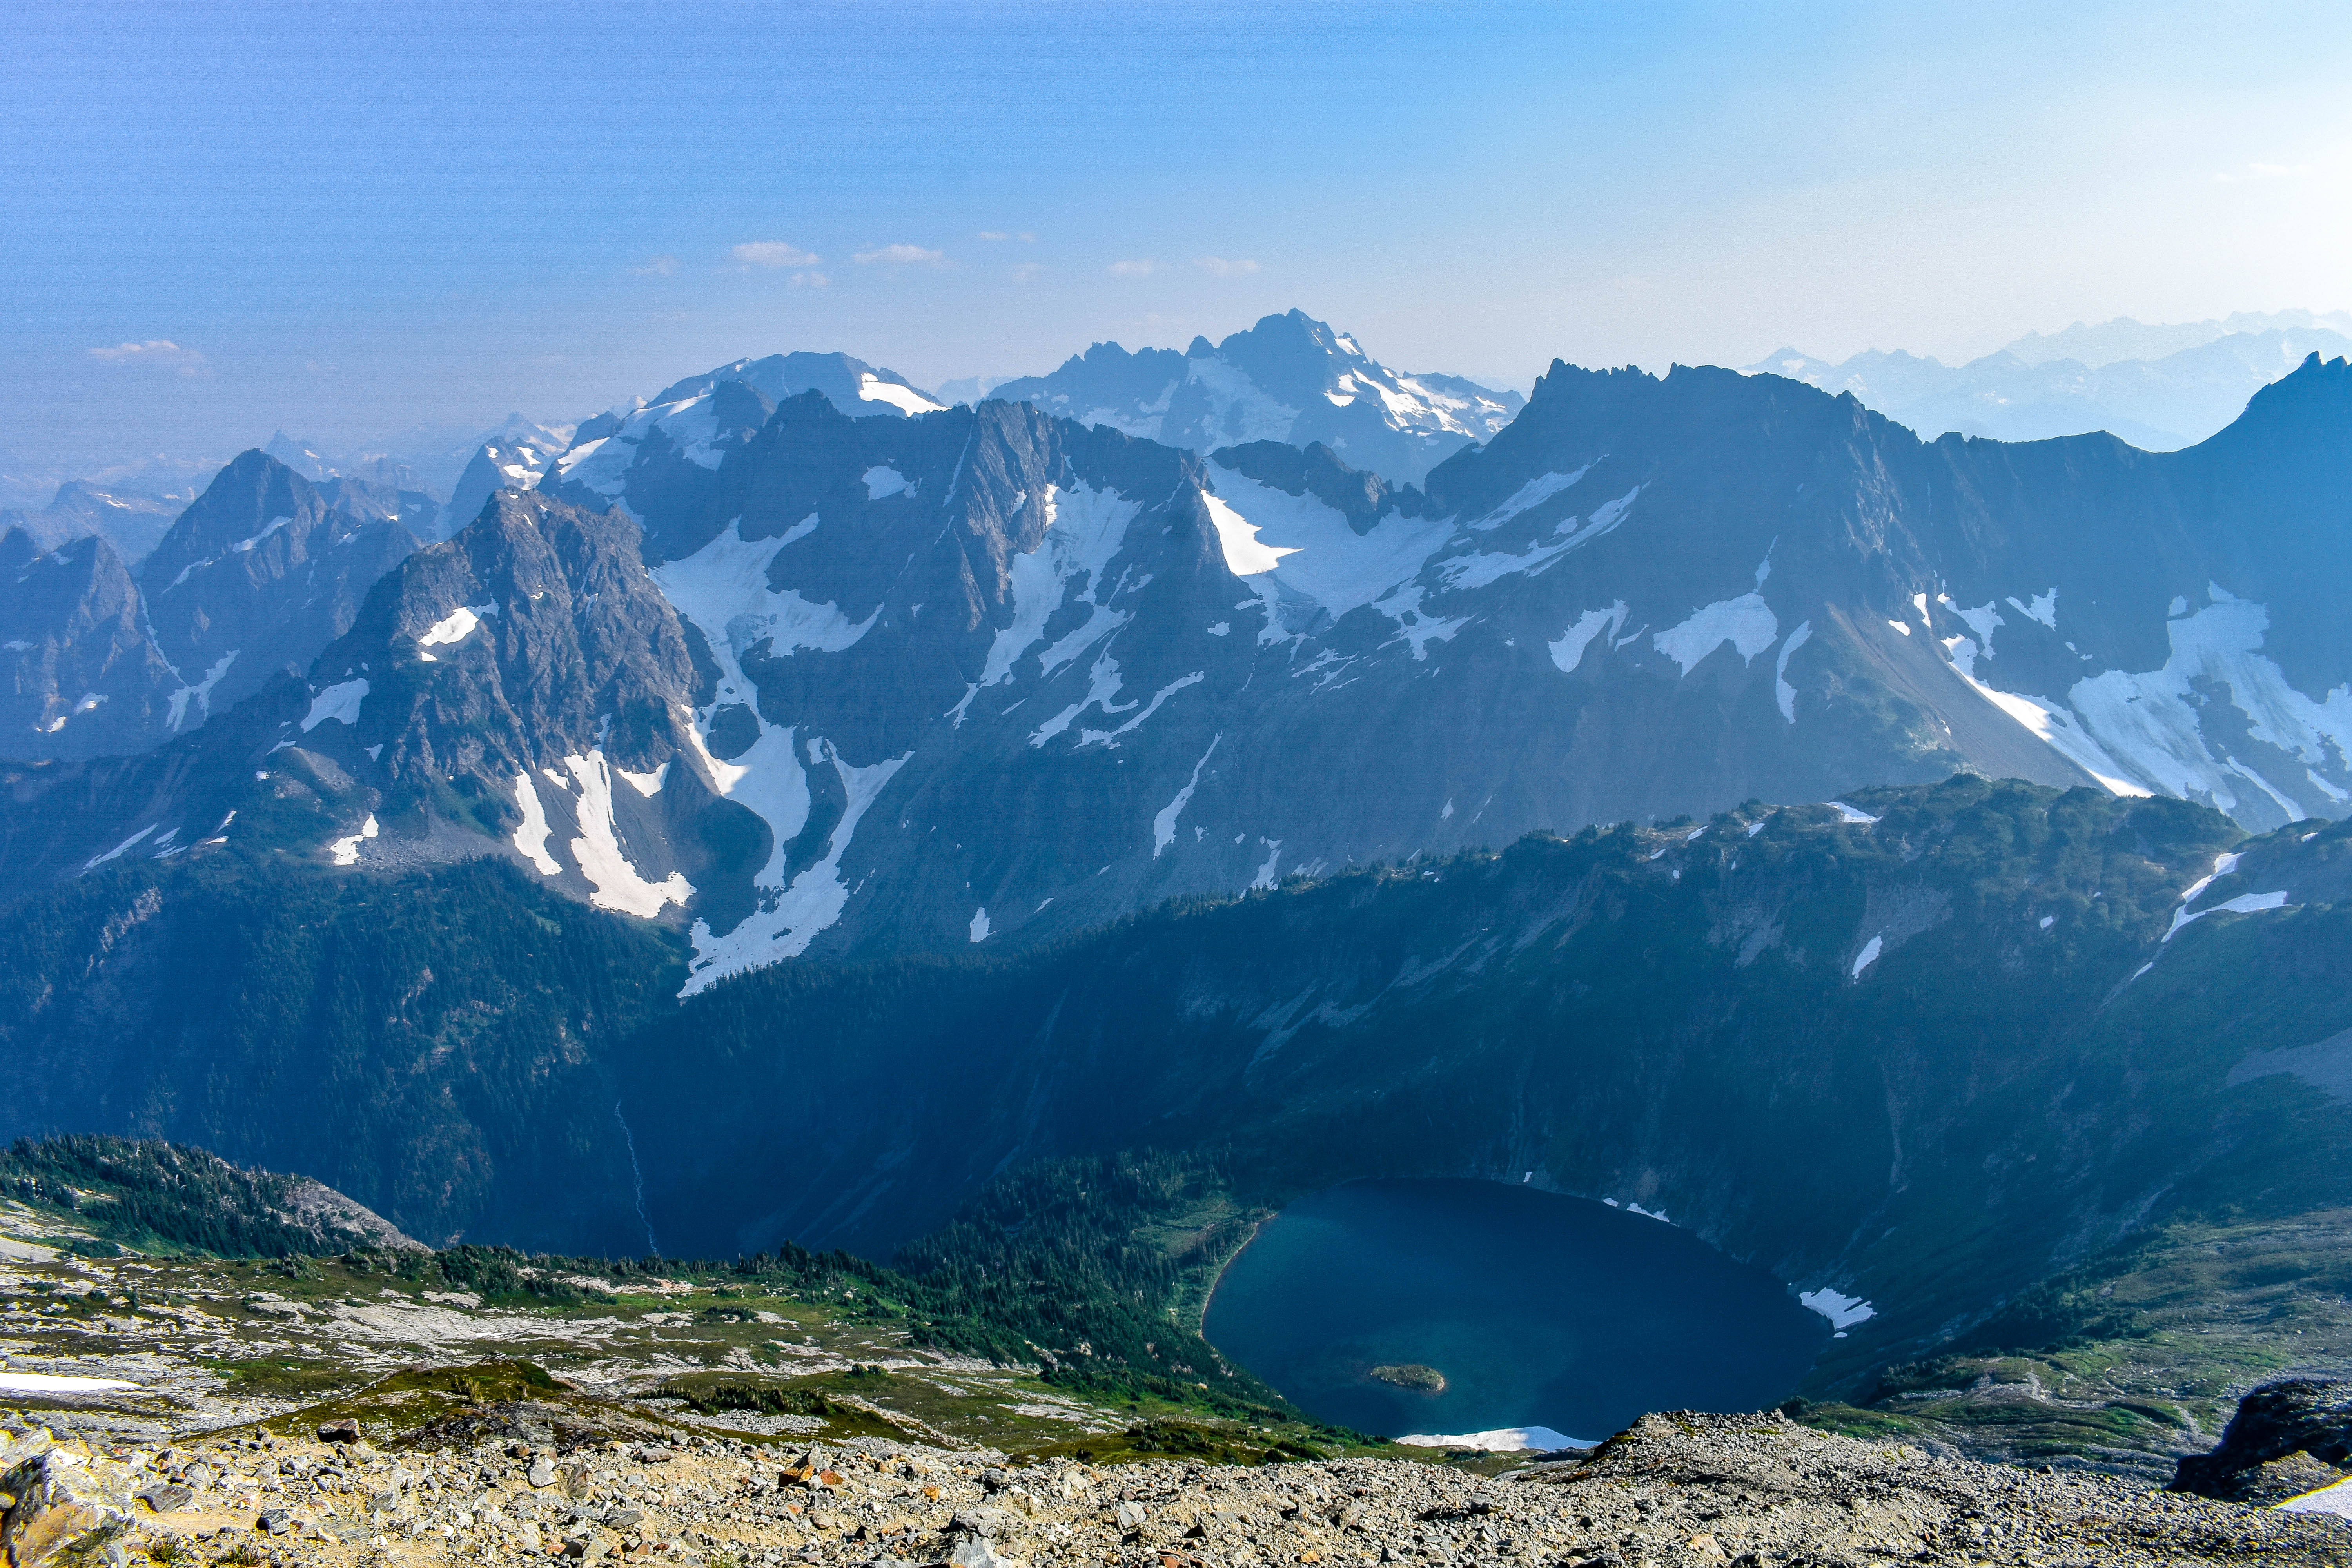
point(1501, 1440)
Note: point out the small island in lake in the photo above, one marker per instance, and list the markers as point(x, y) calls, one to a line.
point(1413, 1375)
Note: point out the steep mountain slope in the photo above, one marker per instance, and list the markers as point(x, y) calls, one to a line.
point(259, 575)
point(1917, 1048)
point(1289, 378)
point(515, 456)
point(1916, 1052)
point(2025, 394)
point(130, 520)
point(438, 1042)
point(985, 676)
point(83, 677)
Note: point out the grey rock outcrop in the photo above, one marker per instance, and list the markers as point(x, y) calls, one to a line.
point(2290, 1436)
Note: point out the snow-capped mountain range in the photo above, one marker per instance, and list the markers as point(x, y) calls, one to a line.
point(2160, 388)
point(803, 681)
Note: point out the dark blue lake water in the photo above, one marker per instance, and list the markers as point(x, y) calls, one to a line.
point(1538, 1311)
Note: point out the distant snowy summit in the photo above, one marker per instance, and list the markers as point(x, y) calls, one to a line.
point(1289, 378)
point(2158, 388)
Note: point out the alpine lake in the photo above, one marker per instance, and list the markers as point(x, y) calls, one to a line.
point(1454, 1307)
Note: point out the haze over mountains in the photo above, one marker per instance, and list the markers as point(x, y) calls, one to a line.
point(2158, 388)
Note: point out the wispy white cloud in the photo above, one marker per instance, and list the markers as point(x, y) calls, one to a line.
point(997, 234)
point(1137, 267)
point(811, 281)
point(664, 266)
point(1218, 266)
point(156, 351)
point(774, 252)
point(1026, 271)
point(899, 256)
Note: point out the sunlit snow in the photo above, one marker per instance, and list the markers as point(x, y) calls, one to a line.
point(1164, 823)
point(2243, 904)
point(614, 882)
point(1866, 958)
point(35, 1382)
point(454, 627)
point(1747, 623)
point(2335, 1498)
point(346, 851)
point(340, 701)
point(1500, 1440)
point(872, 388)
point(531, 835)
point(724, 589)
point(98, 860)
point(787, 922)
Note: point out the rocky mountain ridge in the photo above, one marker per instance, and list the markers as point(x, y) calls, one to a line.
point(981, 674)
point(1289, 378)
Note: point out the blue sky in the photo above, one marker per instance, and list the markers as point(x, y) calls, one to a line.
point(350, 220)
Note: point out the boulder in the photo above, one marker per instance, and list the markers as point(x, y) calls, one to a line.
point(2309, 1416)
point(165, 1497)
point(345, 1430)
point(68, 1509)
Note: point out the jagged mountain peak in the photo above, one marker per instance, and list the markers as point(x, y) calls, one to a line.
point(260, 573)
point(1287, 377)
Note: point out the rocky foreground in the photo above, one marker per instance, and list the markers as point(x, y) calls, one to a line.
point(1673, 1490)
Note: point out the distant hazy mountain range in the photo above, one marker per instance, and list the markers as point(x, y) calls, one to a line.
point(2158, 388)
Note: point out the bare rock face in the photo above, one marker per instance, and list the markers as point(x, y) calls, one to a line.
point(79, 674)
point(2287, 1438)
point(68, 1508)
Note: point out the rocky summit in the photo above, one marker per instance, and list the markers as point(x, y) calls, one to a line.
point(1677, 1488)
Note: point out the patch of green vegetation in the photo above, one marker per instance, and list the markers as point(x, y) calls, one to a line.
point(161, 1197)
point(720, 1394)
point(306, 1381)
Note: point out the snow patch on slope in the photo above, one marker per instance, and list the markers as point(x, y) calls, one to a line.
point(531, 835)
point(346, 851)
point(1164, 823)
point(614, 882)
point(340, 702)
point(788, 920)
point(1567, 651)
point(1084, 528)
point(1747, 623)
